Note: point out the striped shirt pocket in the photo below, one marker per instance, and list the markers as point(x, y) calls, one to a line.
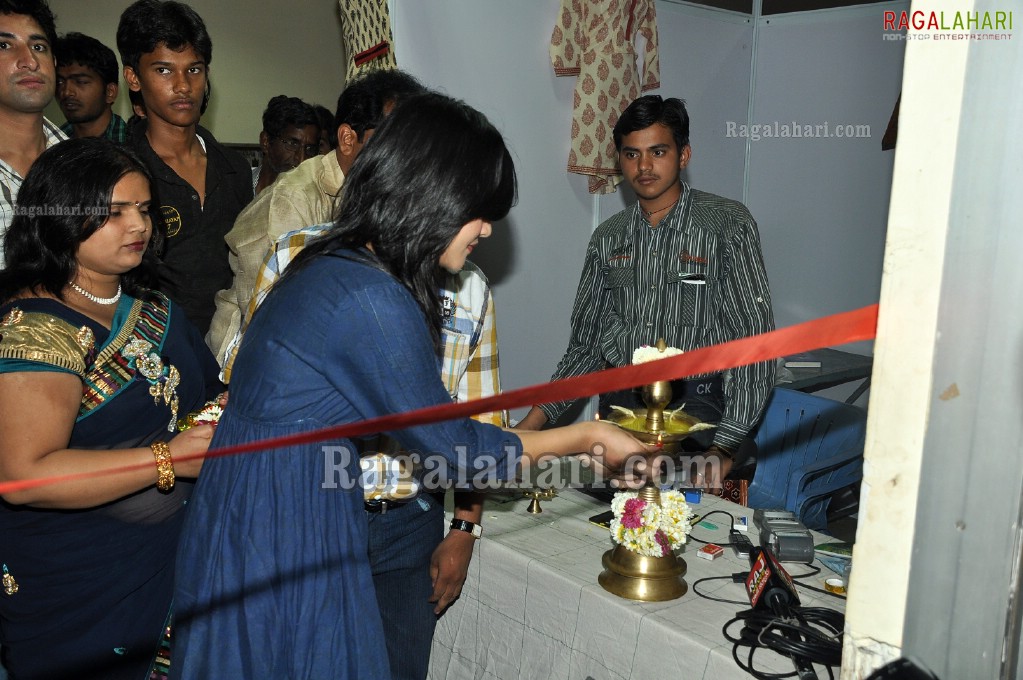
point(688, 294)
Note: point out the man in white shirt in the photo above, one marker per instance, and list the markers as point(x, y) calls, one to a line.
point(28, 77)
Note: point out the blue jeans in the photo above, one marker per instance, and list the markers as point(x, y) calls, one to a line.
point(401, 542)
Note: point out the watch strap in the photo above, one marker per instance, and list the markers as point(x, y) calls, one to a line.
point(468, 527)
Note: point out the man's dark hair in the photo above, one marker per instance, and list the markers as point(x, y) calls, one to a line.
point(74, 181)
point(650, 110)
point(77, 48)
point(434, 165)
point(361, 104)
point(146, 24)
point(326, 119)
point(38, 10)
point(283, 111)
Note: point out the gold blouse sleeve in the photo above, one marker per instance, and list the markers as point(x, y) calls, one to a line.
point(35, 336)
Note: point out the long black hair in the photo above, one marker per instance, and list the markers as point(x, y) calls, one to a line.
point(434, 165)
point(64, 199)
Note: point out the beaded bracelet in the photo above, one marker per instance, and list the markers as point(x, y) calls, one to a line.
point(164, 466)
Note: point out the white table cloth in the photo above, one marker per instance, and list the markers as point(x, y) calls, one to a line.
point(531, 606)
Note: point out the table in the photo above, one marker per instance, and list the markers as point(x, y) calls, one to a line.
point(531, 606)
point(837, 367)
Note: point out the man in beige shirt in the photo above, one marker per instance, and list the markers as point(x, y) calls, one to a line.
point(302, 197)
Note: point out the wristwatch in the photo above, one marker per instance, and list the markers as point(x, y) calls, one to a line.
point(468, 527)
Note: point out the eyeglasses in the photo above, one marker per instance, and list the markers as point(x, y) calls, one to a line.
point(293, 146)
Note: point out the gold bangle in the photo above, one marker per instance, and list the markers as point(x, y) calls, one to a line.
point(164, 466)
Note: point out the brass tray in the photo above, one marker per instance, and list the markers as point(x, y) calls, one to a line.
point(677, 426)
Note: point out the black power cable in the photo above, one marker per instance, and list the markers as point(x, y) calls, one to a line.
point(806, 635)
point(813, 635)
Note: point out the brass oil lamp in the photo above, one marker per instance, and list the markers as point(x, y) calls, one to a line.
point(626, 573)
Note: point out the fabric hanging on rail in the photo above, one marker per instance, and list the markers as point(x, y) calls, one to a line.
point(595, 41)
point(366, 31)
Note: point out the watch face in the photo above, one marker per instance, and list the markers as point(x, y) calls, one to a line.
point(470, 528)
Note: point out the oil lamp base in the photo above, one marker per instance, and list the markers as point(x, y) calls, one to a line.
point(637, 577)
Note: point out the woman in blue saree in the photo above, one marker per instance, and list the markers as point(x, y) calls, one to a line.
point(95, 371)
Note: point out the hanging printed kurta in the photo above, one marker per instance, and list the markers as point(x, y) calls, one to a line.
point(594, 40)
point(366, 30)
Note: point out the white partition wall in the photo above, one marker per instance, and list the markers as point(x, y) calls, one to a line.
point(821, 203)
point(493, 54)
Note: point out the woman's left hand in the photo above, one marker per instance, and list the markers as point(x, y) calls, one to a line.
point(192, 441)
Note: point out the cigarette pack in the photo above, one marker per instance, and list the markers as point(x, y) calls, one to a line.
point(710, 551)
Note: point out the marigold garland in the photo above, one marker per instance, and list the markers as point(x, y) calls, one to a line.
point(648, 529)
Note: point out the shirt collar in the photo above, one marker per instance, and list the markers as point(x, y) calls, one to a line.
point(331, 176)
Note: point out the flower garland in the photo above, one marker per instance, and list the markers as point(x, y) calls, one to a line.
point(645, 353)
point(209, 414)
point(648, 529)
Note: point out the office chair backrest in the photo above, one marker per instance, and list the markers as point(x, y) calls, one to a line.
point(808, 448)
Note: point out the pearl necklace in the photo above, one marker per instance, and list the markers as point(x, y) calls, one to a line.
point(95, 298)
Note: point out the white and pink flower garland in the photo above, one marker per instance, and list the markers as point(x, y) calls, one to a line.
point(648, 529)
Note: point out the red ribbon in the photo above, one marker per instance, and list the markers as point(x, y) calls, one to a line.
point(838, 329)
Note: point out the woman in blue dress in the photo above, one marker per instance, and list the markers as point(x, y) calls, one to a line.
point(95, 370)
point(273, 579)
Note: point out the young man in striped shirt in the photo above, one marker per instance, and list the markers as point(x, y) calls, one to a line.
point(682, 265)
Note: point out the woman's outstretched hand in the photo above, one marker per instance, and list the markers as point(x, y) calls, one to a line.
point(616, 455)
